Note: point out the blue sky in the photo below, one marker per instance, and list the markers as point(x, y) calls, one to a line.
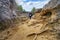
point(29, 4)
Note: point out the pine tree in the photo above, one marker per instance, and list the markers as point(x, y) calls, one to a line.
point(33, 10)
point(20, 8)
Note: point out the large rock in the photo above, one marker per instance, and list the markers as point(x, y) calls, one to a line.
point(52, 4)
point(7, 9)
point(7, 13)
point(8, 18)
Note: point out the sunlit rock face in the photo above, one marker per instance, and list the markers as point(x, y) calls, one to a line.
point(49, 21)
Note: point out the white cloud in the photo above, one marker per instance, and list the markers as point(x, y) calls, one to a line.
point(29, 5)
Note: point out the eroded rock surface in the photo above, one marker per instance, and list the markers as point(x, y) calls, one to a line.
point(44, 25)
point(7, 12)
point(8, 18)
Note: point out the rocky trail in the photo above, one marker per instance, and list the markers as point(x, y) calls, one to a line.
point(33, 30)
point(26, 30)
point(44, 24)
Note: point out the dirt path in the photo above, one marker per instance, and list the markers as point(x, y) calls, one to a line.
point(29, 31)
point(25, 30)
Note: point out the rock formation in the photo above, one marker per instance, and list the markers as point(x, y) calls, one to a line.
point(7, 13)
point(44, 25)
point(49, 22)
point(8, 18)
